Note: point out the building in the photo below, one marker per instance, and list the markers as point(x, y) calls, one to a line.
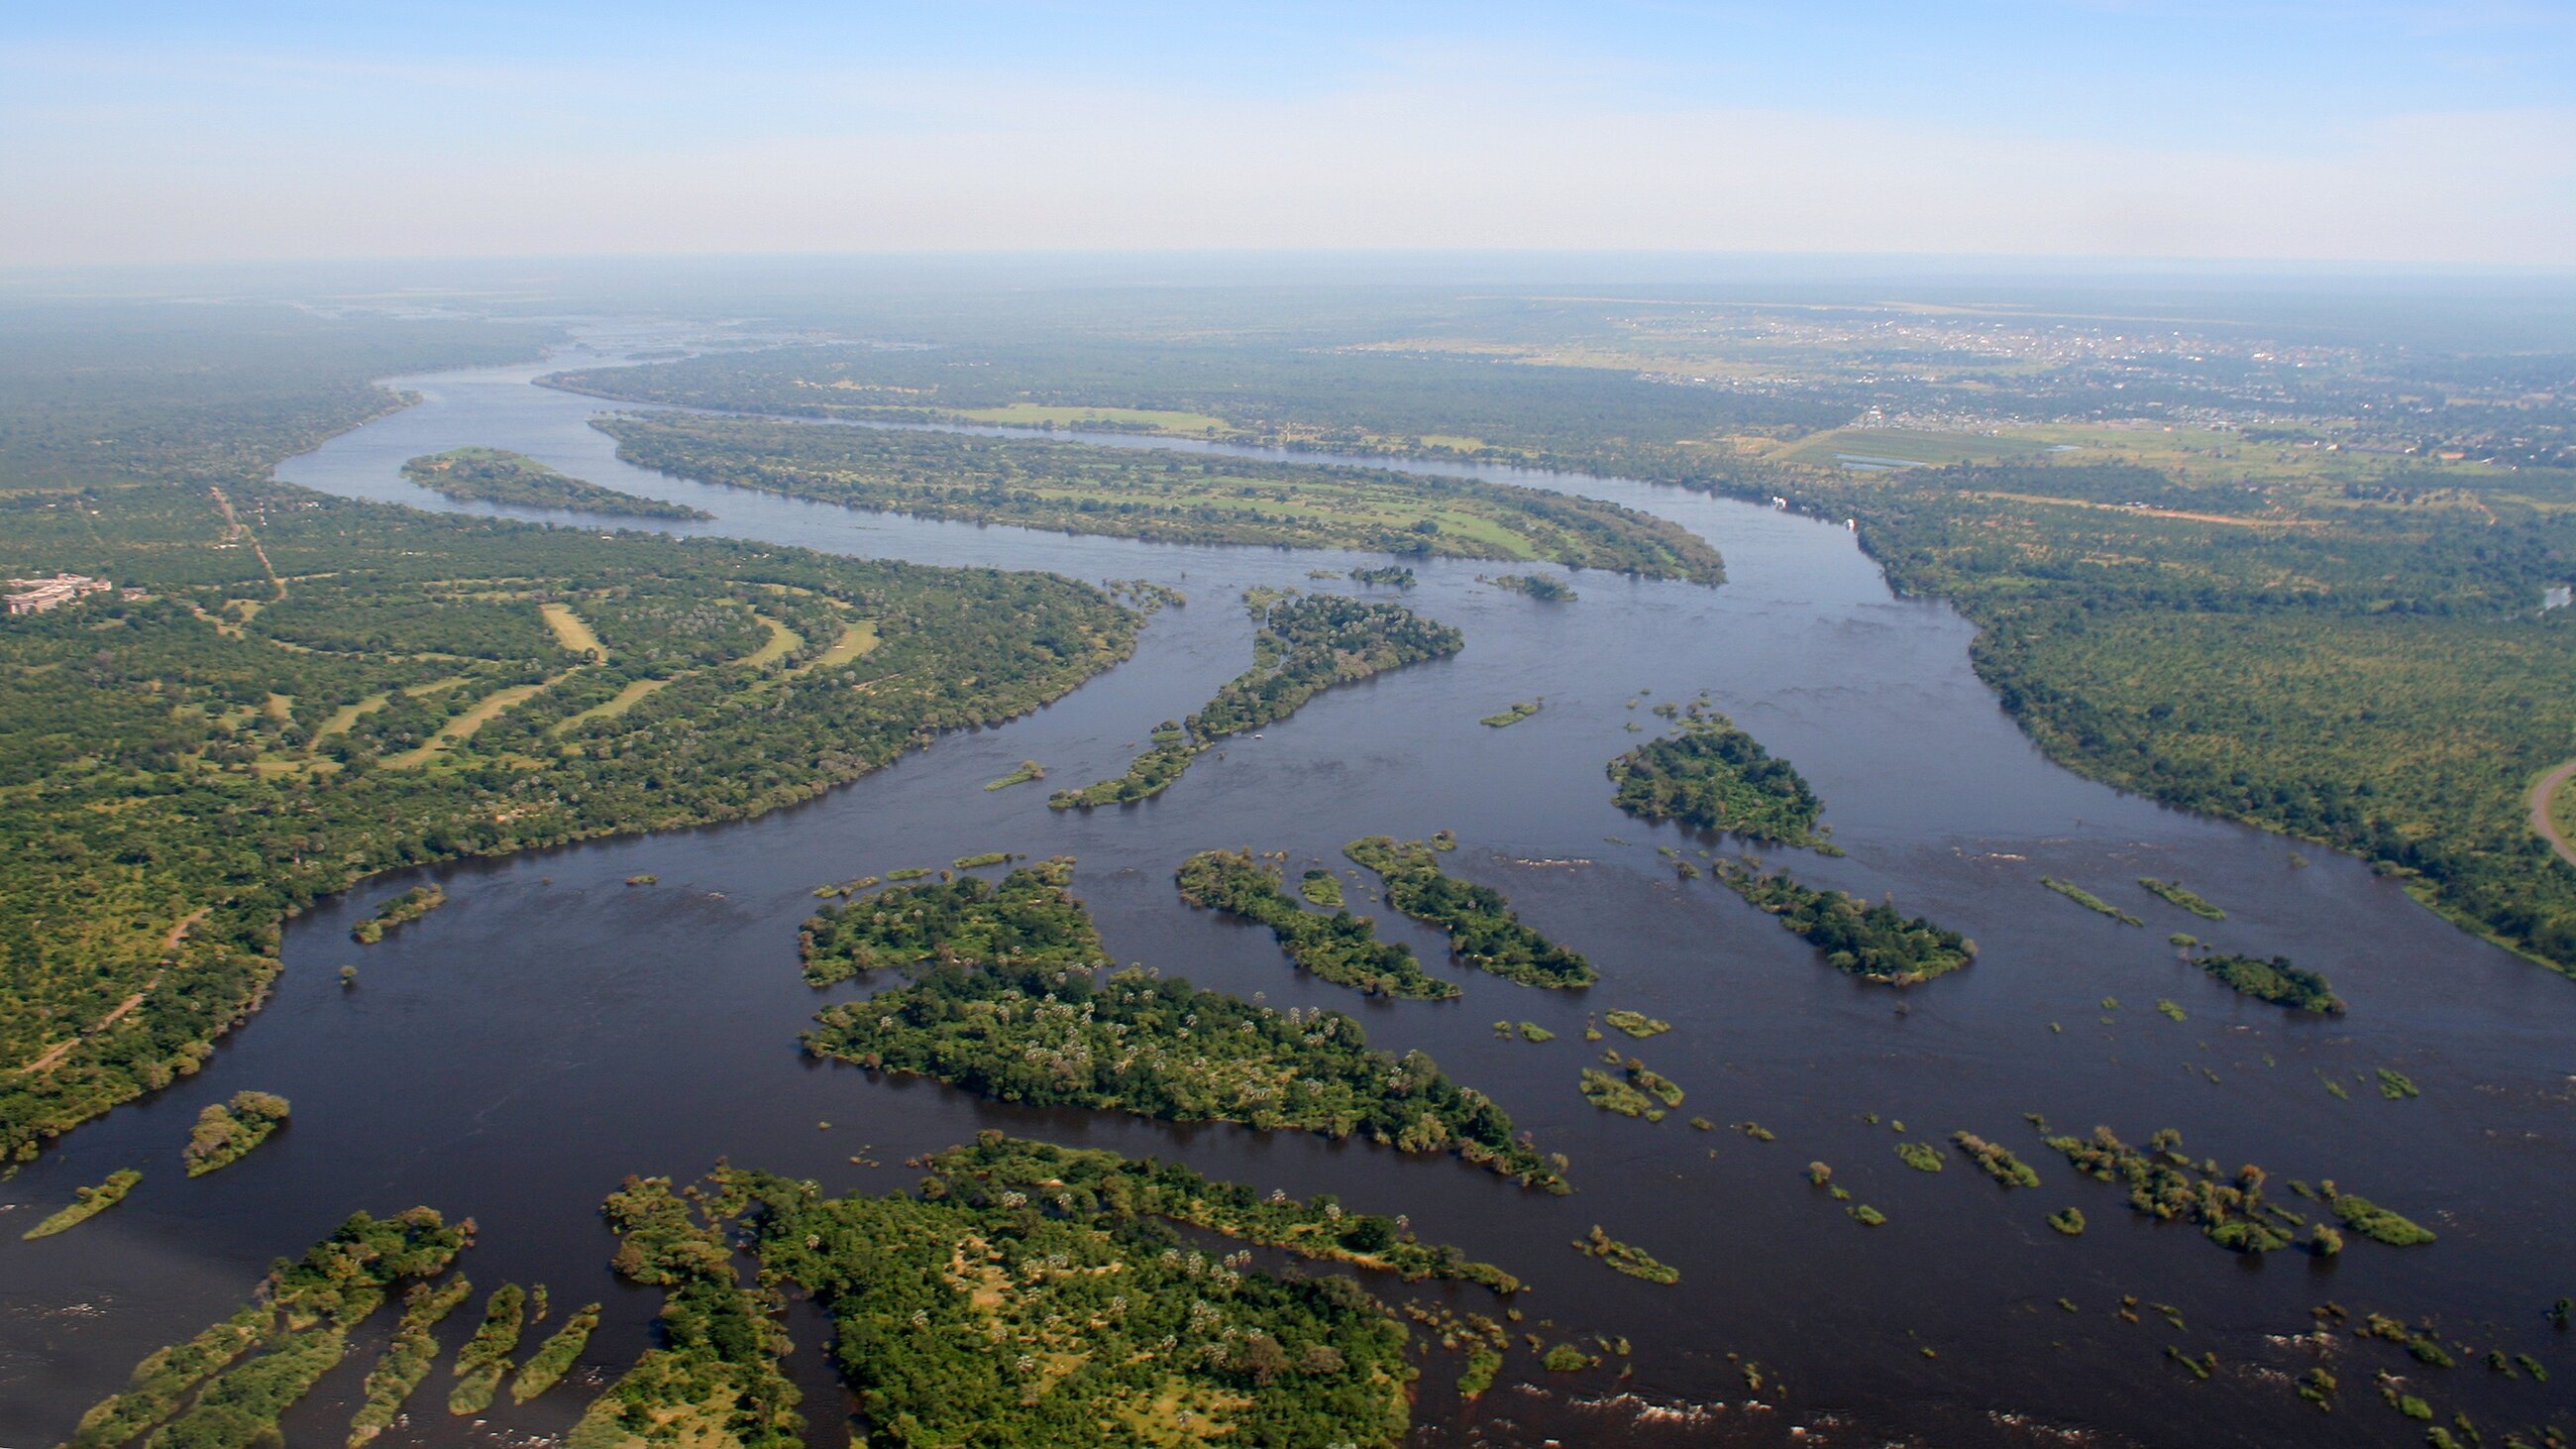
point(35, 596)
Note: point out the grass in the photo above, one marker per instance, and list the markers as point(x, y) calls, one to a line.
point(572, 631)
point(627, 698)
point(2089, 901)
point(485, 710)
point(858, 639)
point(1910, 446)
point(782, 641)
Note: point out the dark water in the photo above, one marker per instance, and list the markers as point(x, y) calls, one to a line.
point(515, 1054)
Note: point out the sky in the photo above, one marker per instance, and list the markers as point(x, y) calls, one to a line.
point(2277, 130)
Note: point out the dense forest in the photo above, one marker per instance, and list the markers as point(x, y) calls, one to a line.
point(1714, 776)
point(312, 690)
point(1029, 919)
point(1026, 1318)
point(1164, 497)
point(1031, 1030)
point(497, 475)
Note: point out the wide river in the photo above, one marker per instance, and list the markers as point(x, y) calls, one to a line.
point(516, 1054)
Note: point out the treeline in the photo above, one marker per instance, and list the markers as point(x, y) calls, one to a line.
point(1029, 919)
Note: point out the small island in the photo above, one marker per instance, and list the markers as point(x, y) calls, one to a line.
point(1873, 941)
point(1714, 776)
point(1341, 948)
point(227, 1131)
point(2173, 892)
point(2275, 981)
point(1483, 931)
point(88, 1202)
point(497, 475)
point(1027, 919)
point(1536, 586)
point(1513, 715)
point(402, 910)
point(1305, 645)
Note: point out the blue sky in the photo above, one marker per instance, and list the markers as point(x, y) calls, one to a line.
point(2436, 133)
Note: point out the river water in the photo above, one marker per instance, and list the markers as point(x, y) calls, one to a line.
point(516, 1054)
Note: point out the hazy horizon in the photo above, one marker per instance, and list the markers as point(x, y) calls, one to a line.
point(2432, 136)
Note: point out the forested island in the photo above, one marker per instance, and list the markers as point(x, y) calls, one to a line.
point(371, 688)
point(1340, 948)
point(990, 1316)
point(1714, 776)
point(1083, 488)
point(1306, 644)
point(2232, 1212)
point(1872, 940)
point(2275, 981)
point(1027, 919)
point(1046, 1034)
point(497, 475)
point(232, 1383)
point(87, 1203)
point(227, 1131)
point(1482, 928)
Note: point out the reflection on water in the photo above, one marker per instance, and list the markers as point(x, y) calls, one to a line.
point(515, 1054)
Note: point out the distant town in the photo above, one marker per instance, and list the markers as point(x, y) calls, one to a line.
point(36, 595)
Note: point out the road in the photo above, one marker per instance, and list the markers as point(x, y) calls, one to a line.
point(2540, 821)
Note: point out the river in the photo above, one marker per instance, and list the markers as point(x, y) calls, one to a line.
point(517, 1053)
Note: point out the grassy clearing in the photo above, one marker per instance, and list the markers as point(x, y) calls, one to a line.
point(627, 698)
point(348, 714)
point(461, 728)
point(1909, 446)
point(858, 639)
point(572, 631)
point(782, 640)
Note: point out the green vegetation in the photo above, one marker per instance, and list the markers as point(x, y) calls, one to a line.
point(402, 910)
point(1613, 1094)
point(1084, 1183)
point(2172, 890)
point(1997, 1159)
point(1321, 888)
point(1483, 931)
point(1565, 1358)
point(87, 1203)
point(2396, 1086)
point(1304, 646)
point(2091, 902)
point(1340, 948)
point(408, 1358)
point(1921, 1156)
point(1082, 488)
point(979, 861)
point(1537, 586)
point(1532, 1031)
point(1394, 576)
point(2069, 1222)
point(1513, 715)
point(2377, 1223)
point(712, 1379)
point(1713, 776)
point(1028, 919)
point(226, 1132)
point(1025, 1030)
point(556, 1356)
point(1627, 1258)
point(1867, 1216)
point(239, 1376)
point(1637, 1023)
point(1874, 942)
point(2165, 1184)
point(183, 772)
point(908, 873)
point(485, 1358)
point(972, 1316)
point(1028, 770)
point(2276, 981)
point(497, 475)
